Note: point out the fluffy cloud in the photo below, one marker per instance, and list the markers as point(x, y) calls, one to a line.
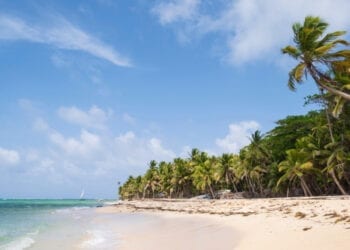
point(136, 151)
point(9, 157)
point(93, 118)
point(237, 137)
point(62, 34)
point(254, 29)
point(175, 10)
point(86, 145)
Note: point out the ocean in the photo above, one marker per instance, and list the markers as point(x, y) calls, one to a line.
point(56, 224)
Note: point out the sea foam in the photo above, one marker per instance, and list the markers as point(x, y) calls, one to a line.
point(19, 244)
point(98, 239)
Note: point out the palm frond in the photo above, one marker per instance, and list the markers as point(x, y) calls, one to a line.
point(292, 51)
point(339, 104)
point(296, 75)
point(330, 37)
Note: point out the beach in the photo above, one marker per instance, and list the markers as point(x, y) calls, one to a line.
point(281, 223)
point(172, 224)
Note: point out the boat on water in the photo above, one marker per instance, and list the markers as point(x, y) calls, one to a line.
point(82, 194)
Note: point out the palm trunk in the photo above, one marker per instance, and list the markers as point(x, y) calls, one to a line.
point(211, 191)
point(336, 181)
point(305, 187)
point(316, 75)
point(234, 187)
point(314, 72)
point(144, 191)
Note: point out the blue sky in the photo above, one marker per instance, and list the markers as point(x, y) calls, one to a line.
point(91, 91)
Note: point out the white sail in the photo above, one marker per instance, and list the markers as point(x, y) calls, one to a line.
point(82, 194)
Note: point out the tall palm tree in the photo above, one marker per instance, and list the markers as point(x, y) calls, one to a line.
point(316, 55)
point(181, 179)
point(337, 156)
point(296, 166)
point(204, 172)
point(227, 164)
point(255, 161)
point(165, 177)
point(151, 179)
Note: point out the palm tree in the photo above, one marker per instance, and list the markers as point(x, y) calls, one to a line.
point(204, 172)
point(315, 51)
point(255, 162)
point(151, 179)
point(227, 165)
point(337, 156)
point(181, 180)
point(317, 56)
point(165, 177)
point(296, 166)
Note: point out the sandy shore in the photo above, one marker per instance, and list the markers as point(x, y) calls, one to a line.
point(299, 223)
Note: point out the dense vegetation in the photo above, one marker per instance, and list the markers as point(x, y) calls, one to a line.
point(303, 155)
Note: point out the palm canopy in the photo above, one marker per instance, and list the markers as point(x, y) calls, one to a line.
point(317, 56)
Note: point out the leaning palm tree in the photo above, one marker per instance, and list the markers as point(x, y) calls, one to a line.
point(317, 56)
point(296, 166)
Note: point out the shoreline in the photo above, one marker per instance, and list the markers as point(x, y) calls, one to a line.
point(277, 223)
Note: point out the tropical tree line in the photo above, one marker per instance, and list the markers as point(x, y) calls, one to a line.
point(303, 155)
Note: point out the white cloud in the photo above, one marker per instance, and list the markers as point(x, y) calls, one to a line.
point(85, 146)
point(63, 35)
point(156, 147)
point(93, 118)
point(136, 151)
point(97, 153)
point(237, 137)
point(128, 119)
point(255, 29)
point(175, 10)
point(126, 138)
point(9, 157)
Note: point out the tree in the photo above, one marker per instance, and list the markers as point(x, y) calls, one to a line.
point(317, 56)
point(181, 179)
point(151, 179)
point(297, 165)
point(165, 177)
point(255, 161)
point(204, 172)
point(227, 165)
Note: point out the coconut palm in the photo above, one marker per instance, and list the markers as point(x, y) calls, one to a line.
point(295, 168)
point(204, 172)
point(181, 179)
point(337, 156)
point(227, 165)
point(165, 177)
point(317, 56)
point(255, 161)
point(151, 179)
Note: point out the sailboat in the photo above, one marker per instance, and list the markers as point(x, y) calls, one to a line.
point(82, 194)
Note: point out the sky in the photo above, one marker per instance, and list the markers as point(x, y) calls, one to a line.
point(91, 91)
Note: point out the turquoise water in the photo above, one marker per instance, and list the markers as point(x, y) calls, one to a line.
point(34, 224)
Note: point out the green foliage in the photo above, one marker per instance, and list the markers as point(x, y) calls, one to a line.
point(317, 55)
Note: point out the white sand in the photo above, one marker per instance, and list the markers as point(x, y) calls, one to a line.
point(281, 224)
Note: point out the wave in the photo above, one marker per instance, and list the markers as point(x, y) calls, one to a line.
point(19, 244)
point(98, 239)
